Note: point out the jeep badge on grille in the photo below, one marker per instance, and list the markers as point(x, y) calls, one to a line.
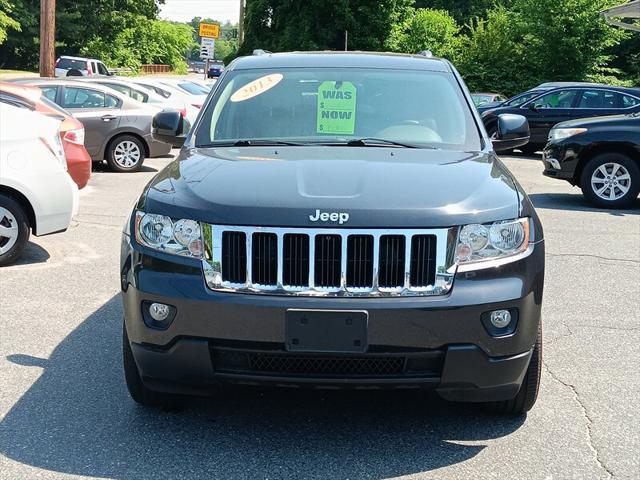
point(340, 217)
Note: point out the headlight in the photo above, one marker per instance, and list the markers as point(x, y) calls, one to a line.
point(179, 237)
point(560, 133)
point(480, 243)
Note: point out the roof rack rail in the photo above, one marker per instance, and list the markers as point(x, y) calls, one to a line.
point(425, 53)
point(259, 51)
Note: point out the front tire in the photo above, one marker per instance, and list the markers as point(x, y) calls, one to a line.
point(611, 180)
point(528, 393)
point(14, 230)
point(125, 154)
point(138, 391)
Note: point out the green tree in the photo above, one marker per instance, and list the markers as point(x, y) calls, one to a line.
point(490, 55)
point(462, 10)
point(536, 41)
point(77, 23)
point(281, 25)
point(6, 22)
point(145, 41)
point(425, 29)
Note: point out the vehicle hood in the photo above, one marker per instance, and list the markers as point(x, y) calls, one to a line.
point(377, 187)
point(606, 121)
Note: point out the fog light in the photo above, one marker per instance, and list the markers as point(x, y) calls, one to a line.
point(160, 312)
point(500, 318)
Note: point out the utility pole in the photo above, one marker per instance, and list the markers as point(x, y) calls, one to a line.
point(241, 24)
point(47, 37)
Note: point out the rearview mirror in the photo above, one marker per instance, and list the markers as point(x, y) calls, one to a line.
point(512, 132)
point(169, 126)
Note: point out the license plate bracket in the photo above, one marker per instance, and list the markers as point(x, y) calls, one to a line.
point(328, 331)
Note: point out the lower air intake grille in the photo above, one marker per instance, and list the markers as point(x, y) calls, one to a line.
point(309, 365)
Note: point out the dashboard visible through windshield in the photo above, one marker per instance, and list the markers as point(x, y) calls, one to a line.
point(333, 106)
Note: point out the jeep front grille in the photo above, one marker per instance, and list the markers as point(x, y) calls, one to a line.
point(340, 262)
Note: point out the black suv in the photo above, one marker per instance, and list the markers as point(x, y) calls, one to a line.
point(335, 220)
point(550, 107)
point(601, 155)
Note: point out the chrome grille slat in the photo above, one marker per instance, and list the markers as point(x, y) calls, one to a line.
point(334, 262)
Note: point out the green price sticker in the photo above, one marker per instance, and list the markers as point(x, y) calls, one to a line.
point(336, 108)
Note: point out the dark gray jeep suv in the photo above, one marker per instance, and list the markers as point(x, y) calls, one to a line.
point(335, 220)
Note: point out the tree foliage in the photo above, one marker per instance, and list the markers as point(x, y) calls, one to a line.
point(280, 25)
point(77, 24)
point(536, 41)
point(145, 41)
point(6, 22)
point(425, 29)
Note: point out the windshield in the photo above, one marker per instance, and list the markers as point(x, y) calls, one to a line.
point(520, 99)
point(479, 99)
point(193, 88)
point(325, 105)
point(69, 63)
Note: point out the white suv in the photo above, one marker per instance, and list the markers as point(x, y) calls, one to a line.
point(36, 192)
point(80, 67)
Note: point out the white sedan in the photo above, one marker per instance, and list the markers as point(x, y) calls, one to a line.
point(36, 192)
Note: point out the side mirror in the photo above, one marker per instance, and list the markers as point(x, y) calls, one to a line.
point(169, 126)
point(512, 132)
point(533, 106)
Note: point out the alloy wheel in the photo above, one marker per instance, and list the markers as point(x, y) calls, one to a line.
point(8, 230)
point(127, 154)
point(611, 181)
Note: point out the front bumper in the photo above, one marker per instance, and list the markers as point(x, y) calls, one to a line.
point(560, 161)
point(229, 337)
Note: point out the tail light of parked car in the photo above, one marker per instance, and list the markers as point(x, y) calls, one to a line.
point(75, 136)
point(54, 145)
point(183, 112)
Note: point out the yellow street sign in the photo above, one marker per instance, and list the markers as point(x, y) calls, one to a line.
point(209, 30)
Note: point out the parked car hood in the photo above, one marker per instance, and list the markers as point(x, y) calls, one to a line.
point(377, 187)
point(606, 121)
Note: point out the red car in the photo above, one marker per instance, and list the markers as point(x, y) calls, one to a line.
point(71, 130)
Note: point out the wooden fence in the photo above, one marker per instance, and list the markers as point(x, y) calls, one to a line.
point(156, 69)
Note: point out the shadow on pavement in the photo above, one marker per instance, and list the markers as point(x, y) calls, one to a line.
point(77, 418)
point(104, 168)
point(576, 202)
point(32, 254)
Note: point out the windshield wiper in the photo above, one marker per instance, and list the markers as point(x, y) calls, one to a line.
point(372, 141)
point(259, 142)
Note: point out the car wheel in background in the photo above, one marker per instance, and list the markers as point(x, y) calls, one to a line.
point(125, 154)
point(14, 230)
point(528, 393)
point(611, 180)
point(74, 72)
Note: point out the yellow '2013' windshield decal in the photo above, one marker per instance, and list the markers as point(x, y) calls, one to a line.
point(257, 87)
point(336, 108)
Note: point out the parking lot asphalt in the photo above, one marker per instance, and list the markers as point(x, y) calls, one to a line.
point(65, 412)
